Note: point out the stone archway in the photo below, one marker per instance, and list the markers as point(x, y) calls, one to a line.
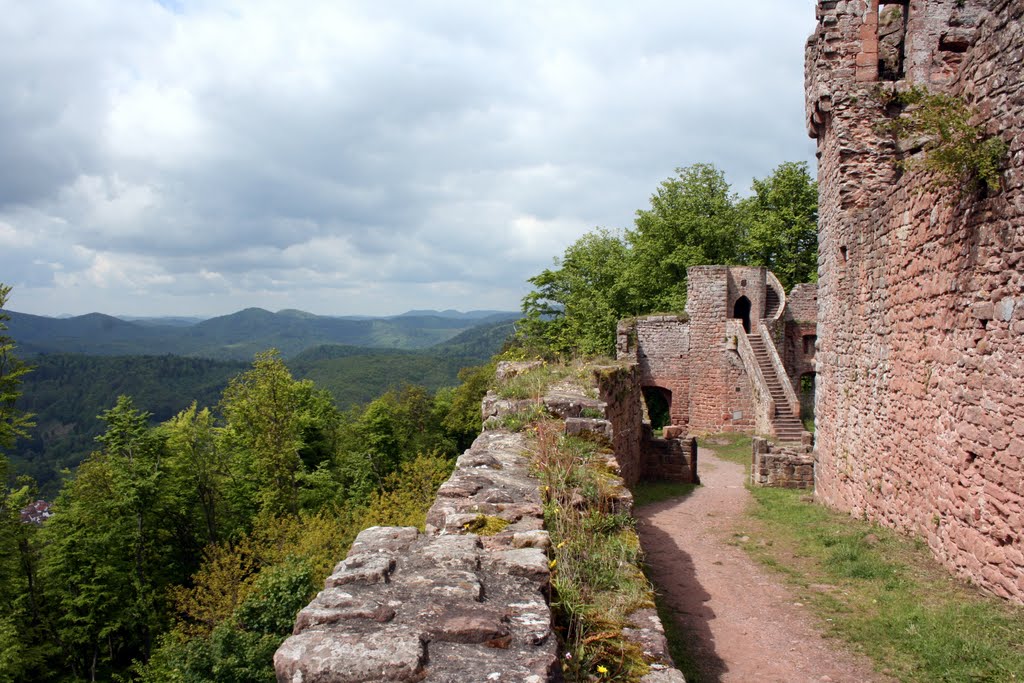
point(741, 310)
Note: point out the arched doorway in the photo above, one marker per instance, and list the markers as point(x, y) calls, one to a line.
point(659, 406)
point(741, 310)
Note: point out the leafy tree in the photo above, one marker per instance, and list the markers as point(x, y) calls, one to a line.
point(112, 550)
point(272, 421)
point(692, 221)
point(574, 306)
point(781, 220)
point(20, 612)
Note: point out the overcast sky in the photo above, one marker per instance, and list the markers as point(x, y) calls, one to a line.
point(196, 158)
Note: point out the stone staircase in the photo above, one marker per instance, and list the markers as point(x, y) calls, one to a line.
point(787, 426)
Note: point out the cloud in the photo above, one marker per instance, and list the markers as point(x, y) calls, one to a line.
point(349, 157)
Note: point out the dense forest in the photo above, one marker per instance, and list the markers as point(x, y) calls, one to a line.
point(181, 551)
point(66, 392)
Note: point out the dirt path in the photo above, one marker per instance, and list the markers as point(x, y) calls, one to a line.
point(748, 626)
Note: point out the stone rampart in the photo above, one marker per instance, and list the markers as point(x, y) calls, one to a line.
point(451, 605)
point(919, 408)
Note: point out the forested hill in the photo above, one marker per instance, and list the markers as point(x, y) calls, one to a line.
point(68, 391)
point(237, 336)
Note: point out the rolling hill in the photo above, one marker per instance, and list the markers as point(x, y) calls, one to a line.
point(237, 336)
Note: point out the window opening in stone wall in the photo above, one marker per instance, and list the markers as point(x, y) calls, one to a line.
point(807, 382)
point(892, 37)
point(843, 253)
point(659, 406)
point(809, 341)
point(741, 310)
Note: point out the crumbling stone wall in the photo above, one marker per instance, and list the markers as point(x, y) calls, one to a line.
point(920, 413)
point(788, 467)
point(660, 346)
point(451, 606)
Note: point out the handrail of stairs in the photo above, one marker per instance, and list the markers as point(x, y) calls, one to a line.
point(780, 371)
point(764, 403)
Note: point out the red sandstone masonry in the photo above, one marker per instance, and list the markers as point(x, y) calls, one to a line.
point(920, 396)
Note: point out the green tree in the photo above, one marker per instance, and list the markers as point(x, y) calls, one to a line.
point(574, 308)
point(13, 422)
point(692, 221)
point(264, 429)
point(113, 548)
point(781, 221)
point(20, 612)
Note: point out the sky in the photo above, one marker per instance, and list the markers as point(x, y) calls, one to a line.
point(197, 158)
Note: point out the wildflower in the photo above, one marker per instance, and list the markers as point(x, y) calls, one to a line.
point(552, 563)
point(561, 545)
point(602, 669)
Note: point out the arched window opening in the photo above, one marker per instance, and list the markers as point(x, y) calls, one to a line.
point(741, 310)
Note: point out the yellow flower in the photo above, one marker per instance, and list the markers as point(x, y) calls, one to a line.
point(552, 563)
point(561, 545)
point(602, 669)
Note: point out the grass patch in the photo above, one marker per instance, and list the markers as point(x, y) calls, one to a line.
point(647, 492)
point(887, 595)
point(735, 448)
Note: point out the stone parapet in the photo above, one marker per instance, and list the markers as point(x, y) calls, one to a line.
point(451, 605)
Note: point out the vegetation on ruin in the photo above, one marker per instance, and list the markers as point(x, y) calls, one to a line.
point(181, 551)
point(694, 219)
point(885, 593)
point(595, 567)
point(958, 153)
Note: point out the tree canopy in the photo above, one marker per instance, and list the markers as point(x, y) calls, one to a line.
point(694, 219)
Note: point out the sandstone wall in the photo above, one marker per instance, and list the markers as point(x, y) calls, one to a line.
point(720, 398)
point(781, 467)
point(920, 412)
point(450, 606)
point(660, 345)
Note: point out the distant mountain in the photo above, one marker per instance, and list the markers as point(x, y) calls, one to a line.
point(237, 336)
point(169, 321)
point(68, 391)
point(459, 315)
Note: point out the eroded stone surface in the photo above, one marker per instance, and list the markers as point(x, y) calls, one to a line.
point(920, 359)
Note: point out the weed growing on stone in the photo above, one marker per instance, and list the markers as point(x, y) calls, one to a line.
point(596, 556)
point(887, 595)
point(533, 383)
point(959, 153)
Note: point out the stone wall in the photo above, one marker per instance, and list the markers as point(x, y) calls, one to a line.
point(618, 388)
point(672, 458)
point(720, 398)
point(781, 467)
point(449, 605)
point(660, 345)
point(920, 413)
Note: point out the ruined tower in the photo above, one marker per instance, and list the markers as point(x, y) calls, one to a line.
point(920, 361)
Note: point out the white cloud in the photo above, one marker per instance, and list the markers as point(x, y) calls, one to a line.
point(351, 157)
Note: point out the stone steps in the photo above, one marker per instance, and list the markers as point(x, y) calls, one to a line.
point(786, 425)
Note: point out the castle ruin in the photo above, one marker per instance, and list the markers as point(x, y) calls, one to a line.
point(920, 363)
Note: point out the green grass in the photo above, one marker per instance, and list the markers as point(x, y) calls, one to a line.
point(733, 447)
point(647, 492)
point(886, 594)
